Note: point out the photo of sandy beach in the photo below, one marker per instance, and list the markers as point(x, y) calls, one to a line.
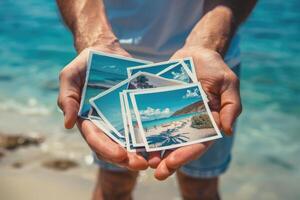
point(107, 104)
point(181, 131)
point(184, 120)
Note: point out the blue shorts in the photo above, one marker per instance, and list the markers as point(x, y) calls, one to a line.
point(211, 164)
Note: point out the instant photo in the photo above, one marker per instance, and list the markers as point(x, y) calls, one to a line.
point(107, 103)
point(103, 71)
point(190, 64)
point(152, 68)
point(178, 72)
point(128, 138)
point(182, 117)
point(133, 129)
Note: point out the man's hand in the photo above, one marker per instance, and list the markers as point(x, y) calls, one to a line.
point(222, 88)
point(72, 79)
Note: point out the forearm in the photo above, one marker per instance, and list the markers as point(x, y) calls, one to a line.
point(220, 21)
point(87, 21)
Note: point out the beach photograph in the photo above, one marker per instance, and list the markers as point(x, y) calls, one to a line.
point(171, 124)
point(104, 71)
point(179, 72)
point(128, 135)
point(107, 104)
point(153, 68)
point(41, 159)
point(133, 130)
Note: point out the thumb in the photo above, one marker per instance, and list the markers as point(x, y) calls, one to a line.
point(70, 108)
point(69, 97)
point(230, 108)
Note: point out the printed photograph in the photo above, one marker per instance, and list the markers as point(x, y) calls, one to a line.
point(103, 72)
point(133, 129)
point(178, 72)
point(190, 65)
point(128, 138)
point(101, 125)
point(153, 68)
point(107, 104)
point(183, 120)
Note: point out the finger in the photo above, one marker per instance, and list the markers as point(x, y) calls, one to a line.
point(100, 143)
point(162, 171)
point(71, 80)
point(214, 106)
point(70, 109)
point(135, 162)
point(69, 96)
point(230, 108)
point(216, 116)
point(154, 159)
point(183, 155)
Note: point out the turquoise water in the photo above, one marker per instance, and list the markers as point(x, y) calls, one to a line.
point(35, 46)
point(158, 122)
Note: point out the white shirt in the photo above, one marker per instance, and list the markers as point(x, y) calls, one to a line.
point(155, 29)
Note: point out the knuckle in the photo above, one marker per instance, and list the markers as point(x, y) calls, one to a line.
point(240, 108)
point(86, 51)
point(232, 78)
point(62, 74)
point(59, 102)
point(98, 156)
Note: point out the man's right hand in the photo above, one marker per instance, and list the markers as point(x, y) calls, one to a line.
point(72, 79)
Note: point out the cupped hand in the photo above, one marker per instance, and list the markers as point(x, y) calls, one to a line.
point(72, 79)
point(222, 88)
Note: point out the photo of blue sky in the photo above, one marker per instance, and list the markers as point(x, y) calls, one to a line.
point(153, 106)
point(109, 104)
point(173, 118)
point(105, 71)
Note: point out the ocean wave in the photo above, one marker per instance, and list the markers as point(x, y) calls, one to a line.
point(31, 107)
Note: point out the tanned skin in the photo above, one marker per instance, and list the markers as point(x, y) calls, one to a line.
point(207, 44)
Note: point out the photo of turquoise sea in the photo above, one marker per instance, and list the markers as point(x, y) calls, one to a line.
point(173, 123)
point(166, 120)
point(34, 48)
point(104, 72)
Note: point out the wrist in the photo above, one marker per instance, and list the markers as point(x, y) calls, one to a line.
point(217, 43)
point(203, 51)
point(83, 41)
point(213, 31)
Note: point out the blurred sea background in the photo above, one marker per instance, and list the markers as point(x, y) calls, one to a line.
point(34, 47)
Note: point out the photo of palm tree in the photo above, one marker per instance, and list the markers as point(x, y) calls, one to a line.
point(107, 104)
point(170, 118)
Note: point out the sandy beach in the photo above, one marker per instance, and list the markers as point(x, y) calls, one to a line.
point(181, 127)
point(23, 174)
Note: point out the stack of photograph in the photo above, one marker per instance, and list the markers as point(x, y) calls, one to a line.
point(146, 106)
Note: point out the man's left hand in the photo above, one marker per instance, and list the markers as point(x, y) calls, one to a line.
point(222, 88)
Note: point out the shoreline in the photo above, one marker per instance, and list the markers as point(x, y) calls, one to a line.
point(78, 182)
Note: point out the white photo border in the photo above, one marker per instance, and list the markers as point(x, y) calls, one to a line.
point(150, 65)
point(132, 96)
point(89, 62)
point(92, 100)
point(129, 119)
